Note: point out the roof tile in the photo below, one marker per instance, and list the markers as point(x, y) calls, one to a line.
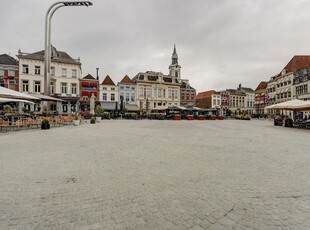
point(7, 60)
point(126, 80)
point(298, 62)
point(262, 85)
point(107, 81)
point(205, 94)
point(89, 77)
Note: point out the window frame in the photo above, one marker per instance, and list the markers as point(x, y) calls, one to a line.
point(75, 73)
point(64, 85)
point(64, 72)
point(37, 70)
point(25, 69)
point(25, 84)
point(73, 88)
point(37, 86)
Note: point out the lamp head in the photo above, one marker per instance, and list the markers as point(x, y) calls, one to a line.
point(81, 3)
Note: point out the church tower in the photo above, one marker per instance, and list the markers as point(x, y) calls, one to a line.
point(175, 68)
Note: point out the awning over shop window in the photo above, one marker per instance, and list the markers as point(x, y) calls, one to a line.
point(93, 84)
point(109, 106)
point(130, 107)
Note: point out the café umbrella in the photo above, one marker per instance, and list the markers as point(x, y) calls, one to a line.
point(8, 93)
point(296, 105)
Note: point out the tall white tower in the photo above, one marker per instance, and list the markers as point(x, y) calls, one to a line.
point(175, 68)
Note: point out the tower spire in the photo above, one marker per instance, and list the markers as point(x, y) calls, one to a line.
point(174, 56)
point(175, 68)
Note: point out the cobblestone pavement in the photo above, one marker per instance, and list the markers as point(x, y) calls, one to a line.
point(123, 174)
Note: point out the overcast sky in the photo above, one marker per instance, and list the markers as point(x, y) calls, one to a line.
point(220, 43)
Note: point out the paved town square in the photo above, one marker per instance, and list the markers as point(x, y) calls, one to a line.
point(145, 174)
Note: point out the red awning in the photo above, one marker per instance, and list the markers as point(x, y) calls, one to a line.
point(84, 93)
point(95, 93)
point(93, 84)
point(85, 83)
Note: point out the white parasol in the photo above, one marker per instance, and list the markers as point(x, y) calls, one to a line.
point(8, 93)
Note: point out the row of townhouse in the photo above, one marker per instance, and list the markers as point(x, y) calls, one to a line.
point(150, 91)
point(227, 102)
point(292, 82)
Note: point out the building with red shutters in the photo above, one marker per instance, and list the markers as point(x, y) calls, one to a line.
point(88, 86)
point(188, 94)
point(261, 99)
point(9, 74)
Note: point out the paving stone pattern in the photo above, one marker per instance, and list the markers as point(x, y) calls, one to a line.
point(122, 174)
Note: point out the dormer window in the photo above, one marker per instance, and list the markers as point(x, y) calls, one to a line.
point(54, 53)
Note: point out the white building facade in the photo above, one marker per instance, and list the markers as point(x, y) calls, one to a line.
point(248, 100)
point(156, 91)
point(108, 94)
point(64, 77)
point(301, 87)
point(127, 91)
point(216, 101)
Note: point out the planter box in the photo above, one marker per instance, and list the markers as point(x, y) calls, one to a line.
point(190, 117)
point(45, 126)
point(201, 117)
point(177, 117)
point(213, 118)
point(221, 117)
point(76, 122)
point(87, 121)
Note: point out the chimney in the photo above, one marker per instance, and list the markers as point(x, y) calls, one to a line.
point(97, 69)
point(239, 87)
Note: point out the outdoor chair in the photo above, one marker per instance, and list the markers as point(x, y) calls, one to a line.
point(299, 124)
point(4, 125)
point(19, 124)
point(26, 122)
point(67, 120)
point(51, 120)
point(58, 120)
point(37, 122)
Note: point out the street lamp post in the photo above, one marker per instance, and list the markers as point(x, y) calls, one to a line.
point(47, 53)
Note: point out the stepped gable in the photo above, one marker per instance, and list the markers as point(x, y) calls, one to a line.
point(107, 81)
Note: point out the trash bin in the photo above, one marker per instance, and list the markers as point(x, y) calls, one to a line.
point(288, 122)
